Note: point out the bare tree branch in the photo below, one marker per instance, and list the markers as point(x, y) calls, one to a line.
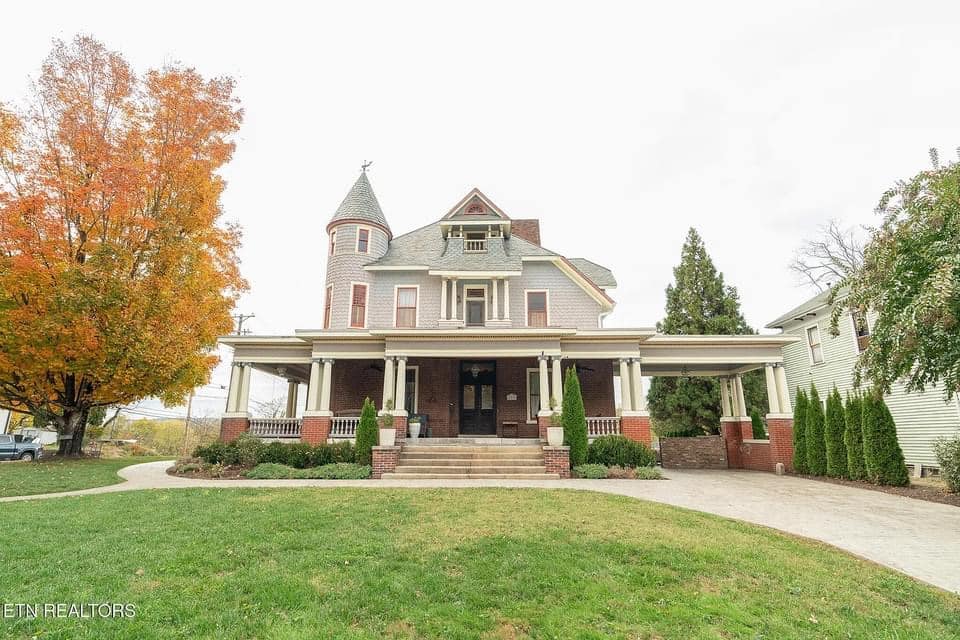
point(827, 259)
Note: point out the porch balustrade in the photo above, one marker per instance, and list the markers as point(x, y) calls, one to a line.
point(344, 427)
point(603, 426)
point(476, 246)
point(275, 427)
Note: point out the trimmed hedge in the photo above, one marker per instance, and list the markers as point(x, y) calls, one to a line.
point(621, 452)
point(249, 451)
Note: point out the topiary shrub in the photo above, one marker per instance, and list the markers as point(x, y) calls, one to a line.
point(815, 442)
point(336, 471)
point(853, 439)
point(756, 422)
point(881, 450)
point(367, 433)
point(948, 457)
point(834, 428)
point(574, 419)
point(589, 471)
point(800, 433)
point(620, 451)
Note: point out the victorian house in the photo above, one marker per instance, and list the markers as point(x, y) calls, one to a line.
point(468, 324)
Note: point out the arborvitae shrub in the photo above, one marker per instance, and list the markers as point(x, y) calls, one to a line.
point(853, 439)
point(367, 433)
point(800, 433)
point(881, 450)
point(834, 427)
point(816, 444)
point(574, 419)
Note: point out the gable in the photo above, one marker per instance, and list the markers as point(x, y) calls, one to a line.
point(477, 207)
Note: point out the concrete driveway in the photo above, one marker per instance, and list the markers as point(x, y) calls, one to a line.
point(921, 539)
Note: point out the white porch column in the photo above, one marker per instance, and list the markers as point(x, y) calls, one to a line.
point(388, 382)
point(327, 385)
point(626, 400)
point(544, 387)
point(313, 387)
point(400, 399)
point(292, 388)
point(243, 403)
point(724, 398)
point(636, 385)
point(741, 403)
point(557, 383)
point(453, 299)
point(780, 373)
point(236, 378)
point(495, 288)
point(443, 302)
point(506, 298)
point(772, 398)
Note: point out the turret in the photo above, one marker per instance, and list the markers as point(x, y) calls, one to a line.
point(357, 234)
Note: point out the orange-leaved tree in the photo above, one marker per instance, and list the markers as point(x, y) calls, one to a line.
point(117, 273)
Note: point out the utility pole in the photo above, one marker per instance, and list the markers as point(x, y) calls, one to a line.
point(241, 318)
point(186, 423)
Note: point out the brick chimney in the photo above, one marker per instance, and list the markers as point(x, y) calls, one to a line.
point(528, 229)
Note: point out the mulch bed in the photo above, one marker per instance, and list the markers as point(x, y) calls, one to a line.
point(922, 490)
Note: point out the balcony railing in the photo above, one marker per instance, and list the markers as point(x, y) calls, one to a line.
point(475, 246)
point(597, 427)
point(275, 427)
point(344, 427)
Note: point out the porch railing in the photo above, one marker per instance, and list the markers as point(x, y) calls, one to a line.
point(275, 427)
point(476, 246)
point(605, 426)
point(344, 427)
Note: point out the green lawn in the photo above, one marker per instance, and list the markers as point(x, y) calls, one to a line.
point(480, 563)
point(52, 475)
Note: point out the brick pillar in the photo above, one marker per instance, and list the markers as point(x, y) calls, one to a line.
point(542, 423)
point(780, 430)
point(636, 428)
point(230, 428)
point(315, 429)
point(557, 460)
point(400, 424)
point(746, 430)
point(385, 460)
point(733, 438)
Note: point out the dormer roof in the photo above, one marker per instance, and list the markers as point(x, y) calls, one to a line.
point(361, 205)
point(475, 207)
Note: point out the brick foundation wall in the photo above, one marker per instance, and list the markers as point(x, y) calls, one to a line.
point(756, 455)
point(315, 429)
point(733, 438)
point(557, 460)
point(636, 428)
point(780, 431)
point(400, 424)
point(703, 452)
point(354, 380)
point(230, 428)
point(746, 430)
point(385, 460)
point(542, 423)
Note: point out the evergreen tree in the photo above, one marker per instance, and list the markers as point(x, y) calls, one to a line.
point(699, 303)
point(834, 428)
point(574, 419)
point(757, 423)
point(816, 444)
point(800, 433)
point(853, 439)
point(367, 433)
point(881, 451)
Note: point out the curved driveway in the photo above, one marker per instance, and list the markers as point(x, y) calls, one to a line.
point(921, 539)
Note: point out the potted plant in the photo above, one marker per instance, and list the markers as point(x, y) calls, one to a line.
point(388, 434)
point(555, 430)
point(414, 427)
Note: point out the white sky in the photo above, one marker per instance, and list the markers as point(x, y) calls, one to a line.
point(619, 125)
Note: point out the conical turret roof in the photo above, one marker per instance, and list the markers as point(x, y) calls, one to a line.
point(361, 204)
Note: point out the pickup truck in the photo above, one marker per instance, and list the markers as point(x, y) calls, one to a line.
point(19, 448)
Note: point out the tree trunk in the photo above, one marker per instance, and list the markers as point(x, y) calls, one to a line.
point(72, 423)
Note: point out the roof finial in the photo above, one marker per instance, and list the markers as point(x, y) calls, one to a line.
point(366, 163)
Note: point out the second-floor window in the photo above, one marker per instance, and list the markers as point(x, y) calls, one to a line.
point(536, 308)
point(327, 307)
point(358, 306)
point(862, 330)
point(363, 240)
point(813, 341)
point(406, 307)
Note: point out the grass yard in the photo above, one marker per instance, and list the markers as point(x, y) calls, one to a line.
point(51, 475)
point(458, 563)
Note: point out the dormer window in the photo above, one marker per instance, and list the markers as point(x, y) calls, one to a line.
point(475, 242)
point(363, 240)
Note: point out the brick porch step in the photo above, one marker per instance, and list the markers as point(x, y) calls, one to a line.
point(415, 461)
point(462, 450)
point(471, 476)
point(449, 458)
point(448, 469)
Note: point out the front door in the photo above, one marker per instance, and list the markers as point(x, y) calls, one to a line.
point(478, 382)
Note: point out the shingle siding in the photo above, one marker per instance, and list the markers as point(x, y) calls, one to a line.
point(921, 418)
point(346, 267)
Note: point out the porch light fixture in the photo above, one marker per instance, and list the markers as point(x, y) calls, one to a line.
point(475, 370)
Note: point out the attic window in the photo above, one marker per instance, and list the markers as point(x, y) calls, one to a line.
point(475, 209)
